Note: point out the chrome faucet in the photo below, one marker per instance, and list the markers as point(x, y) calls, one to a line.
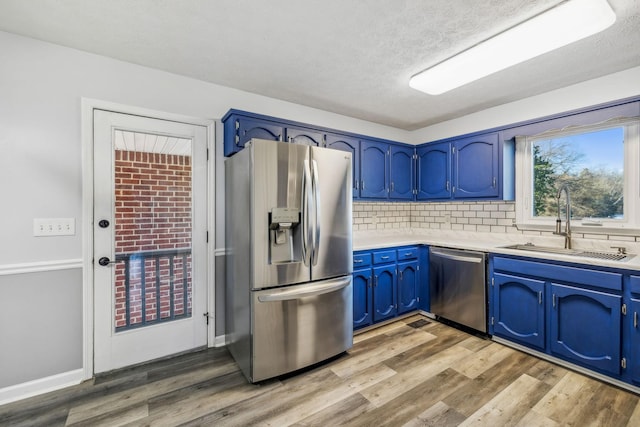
point(567, 228)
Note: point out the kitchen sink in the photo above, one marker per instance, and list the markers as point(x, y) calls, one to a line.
point(612, 256)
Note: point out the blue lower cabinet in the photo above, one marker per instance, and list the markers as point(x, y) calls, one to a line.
point(633, 342)
point(585, 327)
point(384, 292)
point(517, 310)
point(408, 284)
point(362, 298)
point(423, 285)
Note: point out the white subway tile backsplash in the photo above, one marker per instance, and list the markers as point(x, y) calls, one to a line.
point(494, 217)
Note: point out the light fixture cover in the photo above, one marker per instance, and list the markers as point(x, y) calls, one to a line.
point(557, 27)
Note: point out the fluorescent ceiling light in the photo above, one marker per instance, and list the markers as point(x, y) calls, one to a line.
point(564, 24)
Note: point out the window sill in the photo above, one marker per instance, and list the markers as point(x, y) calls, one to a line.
point(581, 229)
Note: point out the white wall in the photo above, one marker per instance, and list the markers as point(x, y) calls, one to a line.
point(612, 87)
point(41, 87)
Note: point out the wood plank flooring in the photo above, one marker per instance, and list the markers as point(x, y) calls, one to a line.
point(413, 372)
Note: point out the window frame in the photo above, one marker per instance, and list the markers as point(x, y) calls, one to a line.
point(524, 180)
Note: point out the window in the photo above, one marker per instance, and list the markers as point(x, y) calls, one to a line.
point(599, 166)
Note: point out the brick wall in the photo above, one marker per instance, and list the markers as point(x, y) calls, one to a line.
point(152, 215)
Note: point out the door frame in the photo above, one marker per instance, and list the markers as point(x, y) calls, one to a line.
point(88, 105)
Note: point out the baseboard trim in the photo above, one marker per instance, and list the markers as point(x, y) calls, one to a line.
point(220, 341)
point(40, 386)
point(38, 267)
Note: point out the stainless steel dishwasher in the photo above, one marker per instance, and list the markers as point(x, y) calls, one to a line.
point(458, 286)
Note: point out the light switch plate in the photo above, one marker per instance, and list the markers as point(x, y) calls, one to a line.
point(54, 226)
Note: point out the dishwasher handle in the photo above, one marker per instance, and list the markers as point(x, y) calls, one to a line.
point(459, 256)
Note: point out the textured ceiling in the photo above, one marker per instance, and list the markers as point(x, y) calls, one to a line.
point(349, 57)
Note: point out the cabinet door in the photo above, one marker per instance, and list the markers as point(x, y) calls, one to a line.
point(634, 339)
point(375, 170)
point(350, 145)
point(408, 280)
point(423, 279)
point(585, 327)
point(401, 172)
point(518, 309)
point(384, 292)
point(433, 174)
point(476, 167)
point(254, 128)
point(304, 136)
point(362, 303)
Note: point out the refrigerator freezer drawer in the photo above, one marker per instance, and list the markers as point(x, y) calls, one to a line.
point(300, 325)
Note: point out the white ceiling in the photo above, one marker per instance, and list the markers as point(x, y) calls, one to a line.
point(349, 57)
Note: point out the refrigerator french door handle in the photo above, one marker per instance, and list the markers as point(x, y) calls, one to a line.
point(308, 291)
point(316, 209)
point(306, 229)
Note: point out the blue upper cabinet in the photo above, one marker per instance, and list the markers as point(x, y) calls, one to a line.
point(304, 136)
point(401, 172)
point(350, 145)
point(476, 167)
point(433, 174)
point(382, 170)
point(375, 170)
point(467, 168)
point(240, 128)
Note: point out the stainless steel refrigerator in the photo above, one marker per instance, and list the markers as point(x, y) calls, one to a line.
point(289, 256)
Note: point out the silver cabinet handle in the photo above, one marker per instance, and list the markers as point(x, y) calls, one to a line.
point(494, 182)
point(384, 257)
point(540, 297)
point(358, 261)
point(357, 184)
point(554, 300)
point(369, 281)
point(635, 319)
point(408, 254)
point(392, 187)
point(448, 186)
point(400, 275)
point(375, 281)
point(363, 184)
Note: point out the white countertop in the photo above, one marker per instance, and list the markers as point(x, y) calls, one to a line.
point(494, 243)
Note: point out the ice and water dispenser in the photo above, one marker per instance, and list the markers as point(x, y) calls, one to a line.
point(284, 236)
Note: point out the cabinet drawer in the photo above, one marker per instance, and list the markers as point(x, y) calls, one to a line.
point(410, 252)
point(383, 257)
point(361, 259)
point(634, 284)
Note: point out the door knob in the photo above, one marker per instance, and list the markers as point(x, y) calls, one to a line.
point(104, 261)
point(103, 223)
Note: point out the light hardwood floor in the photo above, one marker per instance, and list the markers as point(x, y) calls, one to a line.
point(413, 372)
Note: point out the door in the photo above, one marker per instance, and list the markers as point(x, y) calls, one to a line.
point(401, 172)
point(260, 129)
point(150, 250)
point(585, 327)
point(433, 180)
point(407, 286)
point(518, 309)
point(361, 298)
point(476, 167)
point(384, 292)
point(350, 145)
point(304, 136)
point(374, 172)
point(331, 178)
